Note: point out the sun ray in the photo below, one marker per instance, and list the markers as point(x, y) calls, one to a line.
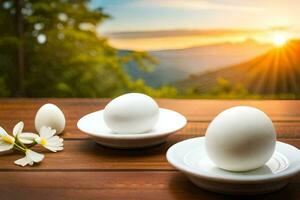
point(291, 54)
point(279, 40)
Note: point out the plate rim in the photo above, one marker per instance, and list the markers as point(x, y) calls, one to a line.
point(133, 136)
point(185, 169)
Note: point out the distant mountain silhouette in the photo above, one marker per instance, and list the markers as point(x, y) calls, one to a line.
point(178, 64)
point(275, 72)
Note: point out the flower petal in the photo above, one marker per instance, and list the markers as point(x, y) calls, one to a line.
point(34, 156)
point(55, 140)
point(27, 138)
point(23, 162)
point(18, 128)
point(2, 131)
point(54, 148)
point(5, 146)
point(47, 132)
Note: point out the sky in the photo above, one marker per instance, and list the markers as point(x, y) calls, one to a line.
point(172, 24)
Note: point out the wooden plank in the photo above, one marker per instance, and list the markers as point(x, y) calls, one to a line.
point(83, 155)
point(12, 111)
point(194, 110)
point(194, 129)
point(116, 185)
point(284, 129)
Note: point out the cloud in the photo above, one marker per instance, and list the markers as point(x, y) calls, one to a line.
point(180, 33)
point(193, 5)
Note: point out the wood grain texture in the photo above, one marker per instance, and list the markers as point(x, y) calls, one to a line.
point(86, 170)
point(80, 155)
point(117, 185)
point(194, 110)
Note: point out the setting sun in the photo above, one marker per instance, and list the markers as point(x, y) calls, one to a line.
point(279, 40)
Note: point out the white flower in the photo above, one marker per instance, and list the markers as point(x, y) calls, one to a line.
point(30, 158)
point(25, 138)
point(49, 140)
point(7, 142)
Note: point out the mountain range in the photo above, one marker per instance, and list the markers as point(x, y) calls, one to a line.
point(275, 72)
point(178, 64)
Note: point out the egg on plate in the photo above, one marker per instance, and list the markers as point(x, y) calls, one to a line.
point(131, 113)
point(241, 138)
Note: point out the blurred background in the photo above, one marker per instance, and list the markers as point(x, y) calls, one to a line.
point(226, 49)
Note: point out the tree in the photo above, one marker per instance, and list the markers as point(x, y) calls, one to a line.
point(54, 50)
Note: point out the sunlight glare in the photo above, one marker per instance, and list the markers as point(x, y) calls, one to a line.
point(279, 40)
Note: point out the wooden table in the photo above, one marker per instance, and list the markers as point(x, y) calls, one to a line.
point(85, 170)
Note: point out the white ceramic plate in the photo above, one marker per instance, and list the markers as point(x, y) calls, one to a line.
point(190, 157)
point(169, 122)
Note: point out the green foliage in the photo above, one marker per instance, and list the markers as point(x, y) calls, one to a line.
point(222, 90)
point(225, 88)
point(64, 55)
point(165, 91)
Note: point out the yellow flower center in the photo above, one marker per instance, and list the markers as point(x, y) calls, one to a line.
point(43, 141)
point(8, 139)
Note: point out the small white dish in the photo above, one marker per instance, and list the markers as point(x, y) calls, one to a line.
point(169, 122)
point(190, 157)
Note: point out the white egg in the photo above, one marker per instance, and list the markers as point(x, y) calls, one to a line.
point(241, 138)
point(51, 116)
point(131, 113)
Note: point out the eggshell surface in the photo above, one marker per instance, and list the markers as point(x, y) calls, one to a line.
point(241, 138)
point(50, 115)
point(131, 113)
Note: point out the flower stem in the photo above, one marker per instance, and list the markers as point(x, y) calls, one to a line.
point(20, 148)
point(19, 142)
